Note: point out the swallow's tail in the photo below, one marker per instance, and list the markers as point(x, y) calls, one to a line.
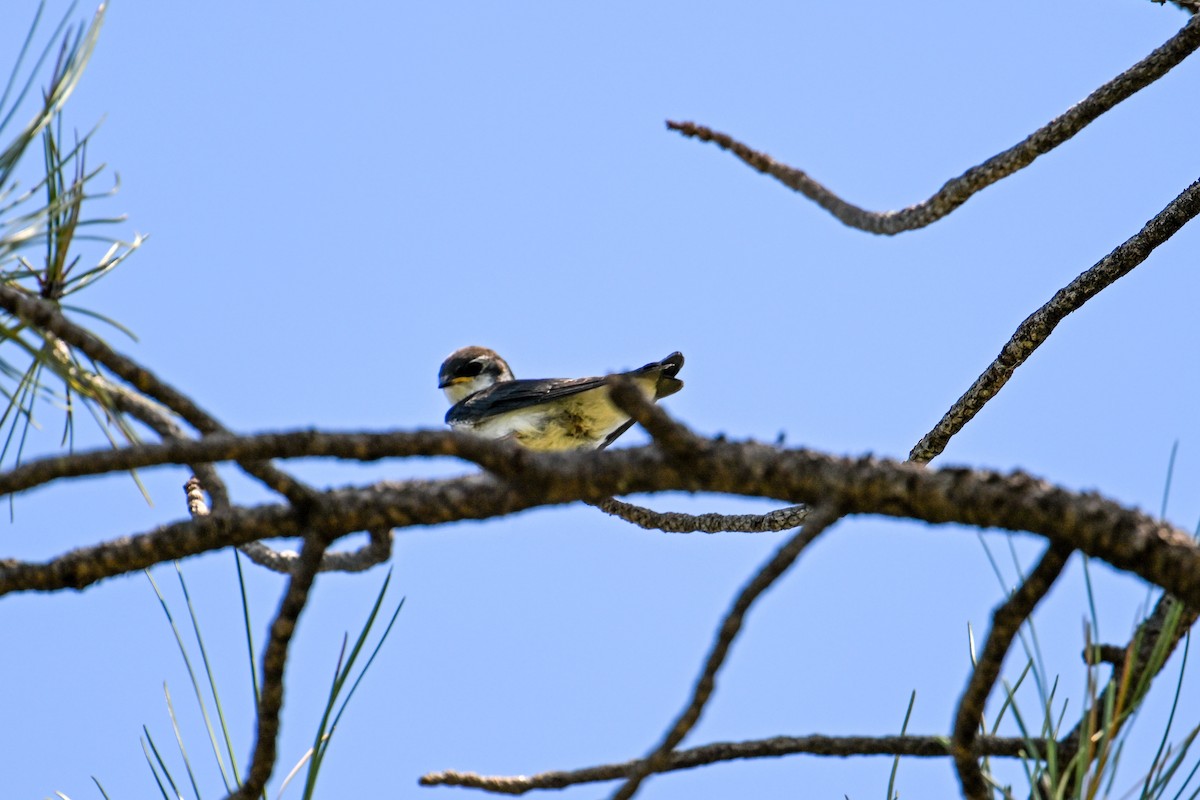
point(668, 368)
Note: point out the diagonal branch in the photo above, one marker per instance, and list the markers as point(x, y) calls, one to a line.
point(775, 747)
point(274, 661)
point(819, 519)
point(1006, 621)
point(958, 190)
point(1030, 334)
point(46, 316)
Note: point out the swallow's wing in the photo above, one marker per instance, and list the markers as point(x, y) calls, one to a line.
point(505, 396)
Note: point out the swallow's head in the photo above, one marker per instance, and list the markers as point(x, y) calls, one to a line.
point(470, 369)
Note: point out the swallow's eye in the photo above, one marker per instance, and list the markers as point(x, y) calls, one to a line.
point(470, 369)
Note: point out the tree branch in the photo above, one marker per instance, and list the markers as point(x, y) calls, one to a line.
point(274, 661)
point(502, 457)
point(1126, 538)
point(45, 316)
point(676, 522)
point(775, 747)
point(819, 519)
point(958, 190)
point(377, 550)
point(1006, 621)
point(1030, 334)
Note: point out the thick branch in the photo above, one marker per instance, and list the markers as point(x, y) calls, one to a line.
point(775, 747)
point(1125, 538)
point(958, 190)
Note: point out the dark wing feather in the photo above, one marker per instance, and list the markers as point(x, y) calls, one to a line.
point(612, 437)
point(505, 396)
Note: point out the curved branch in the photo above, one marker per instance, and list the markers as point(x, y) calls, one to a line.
point(675, 437)
point(1030, 334)
point(377, 550)
point(1006, 621)
point(820, 518)
point(958, 190)
point(841, 746)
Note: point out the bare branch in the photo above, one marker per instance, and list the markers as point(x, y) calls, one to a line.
point(958, 190)
point(46, 316)
point(502, 457)
point(157, 417)
point(676, 522)
point(819, 519)
point(1030, 334)
point(377, 550)
point(274, 661)
point(1006, 621)
point(1126, 538)
point(674, 436)
point(840, 746)
point(670, 435)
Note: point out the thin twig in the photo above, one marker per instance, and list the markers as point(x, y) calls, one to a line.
point(377, 550)
point(958, 190)
point(673, 436)
point(677, 522)
point(819, 519)
point(775, 747)
point(1006, 621)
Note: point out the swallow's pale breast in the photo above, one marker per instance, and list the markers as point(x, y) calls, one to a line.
point(543, 414)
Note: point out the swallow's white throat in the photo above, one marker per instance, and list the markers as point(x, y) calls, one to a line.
point(457, 392)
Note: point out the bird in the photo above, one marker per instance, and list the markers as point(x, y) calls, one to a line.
point(545, 413)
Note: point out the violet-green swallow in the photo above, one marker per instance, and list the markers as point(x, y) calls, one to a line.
point(547, 413)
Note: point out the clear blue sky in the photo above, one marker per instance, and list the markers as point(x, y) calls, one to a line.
point(337, 196)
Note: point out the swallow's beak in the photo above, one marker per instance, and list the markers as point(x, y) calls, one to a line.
point(444, 382)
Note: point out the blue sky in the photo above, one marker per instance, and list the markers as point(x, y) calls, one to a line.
point(339, 196)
